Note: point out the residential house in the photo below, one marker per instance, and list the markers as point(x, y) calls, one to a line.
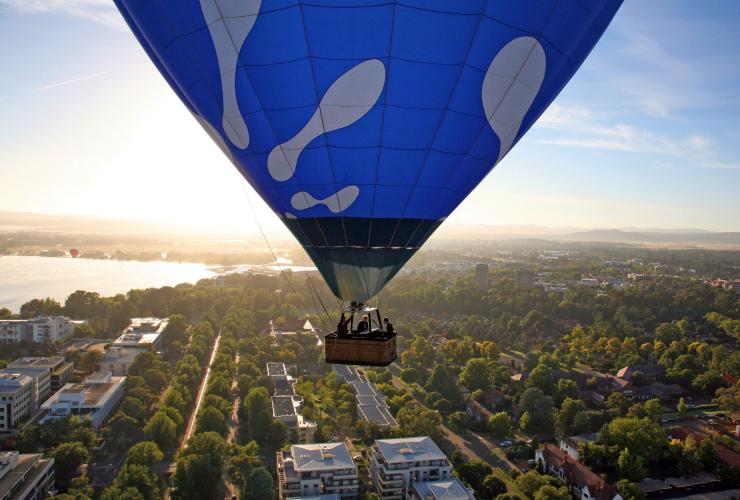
point(581, 481)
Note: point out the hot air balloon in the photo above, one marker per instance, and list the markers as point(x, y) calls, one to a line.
point(74, 253)
point(364, 123)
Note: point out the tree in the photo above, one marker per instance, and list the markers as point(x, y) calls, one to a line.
point(410, 375)
point(532, 481)
point(156, 379)
point(175, 331)
point(474, 472)
point(476, 374)
point(681, 407)
point(541, 378)
point(67, 459)
point(211, 419)
point(141, 479)
point(259, 485)
point(549, 492)
point(414, 419)
point(493, 486)
point(728, 398)
point(636, 434)
point(195, 478)
point(500, 424)
point(240, 462)
point(629, 466)
point(629, 491)
point(537, 410)
point(566, 388)
point(90, 361)
point(566, 417)
point(133, 408)
point(706, 454)
point(257, 409)
point(162, 429)
point(144, 453)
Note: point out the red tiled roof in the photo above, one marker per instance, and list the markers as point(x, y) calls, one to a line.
point(578, 474)
point(725, 455)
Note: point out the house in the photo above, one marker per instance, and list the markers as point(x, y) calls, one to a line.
point(396, 464)
point(666, 391)
point(94, 398)
point(315, 470)
point(653, 373)
point(26, 476)
point(725, 455)
point(581, 481)
point(476, 410)
point(450, 489)
point(571, 444)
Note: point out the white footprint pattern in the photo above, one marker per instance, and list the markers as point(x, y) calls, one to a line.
point(512, 81)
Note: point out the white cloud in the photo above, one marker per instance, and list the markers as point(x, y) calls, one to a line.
point(99, 11)
point(579, 127)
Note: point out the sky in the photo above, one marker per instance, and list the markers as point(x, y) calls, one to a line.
point(645, 135)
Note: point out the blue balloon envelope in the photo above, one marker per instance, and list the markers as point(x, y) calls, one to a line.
point(364, 123)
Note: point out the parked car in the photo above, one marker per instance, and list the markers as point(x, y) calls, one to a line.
point(506, 443)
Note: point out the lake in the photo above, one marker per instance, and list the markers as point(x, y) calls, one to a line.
point(24, 278)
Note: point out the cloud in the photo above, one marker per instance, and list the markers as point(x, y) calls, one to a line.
point(579, 127)
point(68, 82)
point(99, 11)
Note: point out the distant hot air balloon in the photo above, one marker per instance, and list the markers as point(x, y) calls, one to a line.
point(364, 123)
point(74, 253)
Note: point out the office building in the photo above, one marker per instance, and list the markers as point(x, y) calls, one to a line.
point(525, 278)
point(118, 360)
point(60, 371)
point(317, 469)
point(142, 333)
point(26, 476)
point(94, 398)
point(396, 464)
point(16, 399)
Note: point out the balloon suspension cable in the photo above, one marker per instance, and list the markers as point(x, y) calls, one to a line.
point(312, 289)
point(277, 263)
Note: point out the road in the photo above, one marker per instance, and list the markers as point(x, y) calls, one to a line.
point(199, 399)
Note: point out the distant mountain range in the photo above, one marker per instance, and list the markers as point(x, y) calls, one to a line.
point(23, 221)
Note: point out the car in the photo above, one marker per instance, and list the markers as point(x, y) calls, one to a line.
point(506, 443)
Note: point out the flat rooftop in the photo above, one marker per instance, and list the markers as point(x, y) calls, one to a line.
point(346, 372)
point(31, 362)
point(29, 467)
point(364, 388)
point(377, 414)
point(412, 449)
point(451, 489)
point(284, 388)
point(274, 368)
point(321, 456)
point(282, 406)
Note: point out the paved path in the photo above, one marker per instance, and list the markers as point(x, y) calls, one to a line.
point(199, 398)
point(233, 429)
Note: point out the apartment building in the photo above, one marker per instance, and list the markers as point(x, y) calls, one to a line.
point(40, 329)
point(16, 399)
point(310, 470)
point(396, 464)
point(26, 476)
point(94, 398)
point(286, 404)
point(449, 489)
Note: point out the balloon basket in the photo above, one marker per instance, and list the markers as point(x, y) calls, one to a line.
point(377, 348)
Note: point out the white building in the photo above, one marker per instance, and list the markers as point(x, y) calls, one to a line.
point(40, 329)
point(25, 476)
point(16, 399)
point(142, 333)
point(395, 464)
point(317, 469)
point(450, 489)
point(286, 404)
point(94, 398)
point(51, 373)
point(118, 360)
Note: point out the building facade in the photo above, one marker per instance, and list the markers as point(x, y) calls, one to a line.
point(16, 399)
point(118, 360)
point(396, 464)
point(317, 469)
point(40, 329)
point(94, 398)
point(26, 476)
point(481, 276)
point(581, 481)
